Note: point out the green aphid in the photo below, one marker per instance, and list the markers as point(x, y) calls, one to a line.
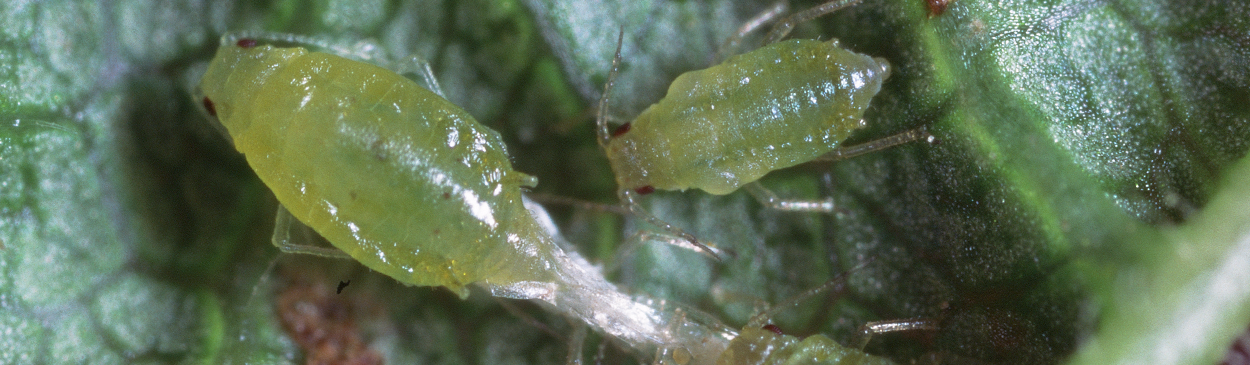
point(728, 125)
point(387, 171)
point(724, 127)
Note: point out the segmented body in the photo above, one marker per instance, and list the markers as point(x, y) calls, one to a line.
point(718, 128)
point(397, 177)
point(755, 346)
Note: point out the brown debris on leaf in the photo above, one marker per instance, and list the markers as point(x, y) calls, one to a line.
point(324, 325)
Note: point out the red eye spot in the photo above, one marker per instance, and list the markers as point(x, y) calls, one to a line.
point(208, 105)
point(937, 7)
point(624, 128)
point(645, 190)
point(246, 43)
point(773, 328)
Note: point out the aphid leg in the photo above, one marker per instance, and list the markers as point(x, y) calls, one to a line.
point(640, 238)
point(770, 199)
point(898, 325)
point(601, 115)
point(416, 65)
point(577, 203)
point(784, 27)
point(282, 226)
point(576, 340)
point(843, 153)
point(837, 284)
point(627, 199)
point(764, 17)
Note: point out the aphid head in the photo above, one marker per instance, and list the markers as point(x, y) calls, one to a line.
point(235, 76)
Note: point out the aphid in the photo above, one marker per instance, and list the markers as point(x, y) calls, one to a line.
point(390, 173)
point(403, 181)
point(722, 128)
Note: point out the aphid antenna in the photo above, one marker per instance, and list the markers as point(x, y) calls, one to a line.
point(837, 284)
point(600, 116)
point(786, 25)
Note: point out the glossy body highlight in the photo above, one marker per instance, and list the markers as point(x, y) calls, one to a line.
point(390, 173)
point(719, 128)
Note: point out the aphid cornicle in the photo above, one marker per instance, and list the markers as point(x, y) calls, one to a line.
point(390, 173)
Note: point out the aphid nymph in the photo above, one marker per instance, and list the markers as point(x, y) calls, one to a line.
point(722, 128)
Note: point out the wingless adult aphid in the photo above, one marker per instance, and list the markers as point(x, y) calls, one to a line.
point(407, 183)
point(722, 128)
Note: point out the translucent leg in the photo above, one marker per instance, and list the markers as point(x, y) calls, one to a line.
point(576, 341)
point(843, 153)
point(416, 65)
point(836, 285)
point(769, 199)
point(578, 203)
point(632, 242)
point(768, 15)
point(627, 199)
point(898, 325)
point(640, 238)
point(786, 25)
point(282, 226)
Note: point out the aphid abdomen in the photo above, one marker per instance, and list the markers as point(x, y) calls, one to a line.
point(719, 128)
point(402, 180)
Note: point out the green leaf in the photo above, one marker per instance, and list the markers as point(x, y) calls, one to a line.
point(1085, 201)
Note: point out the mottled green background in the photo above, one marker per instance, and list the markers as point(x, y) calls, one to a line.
point(1087, 202)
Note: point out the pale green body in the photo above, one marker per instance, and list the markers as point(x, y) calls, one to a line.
point(756, 346)
point(390, 173)
point(721, 127)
